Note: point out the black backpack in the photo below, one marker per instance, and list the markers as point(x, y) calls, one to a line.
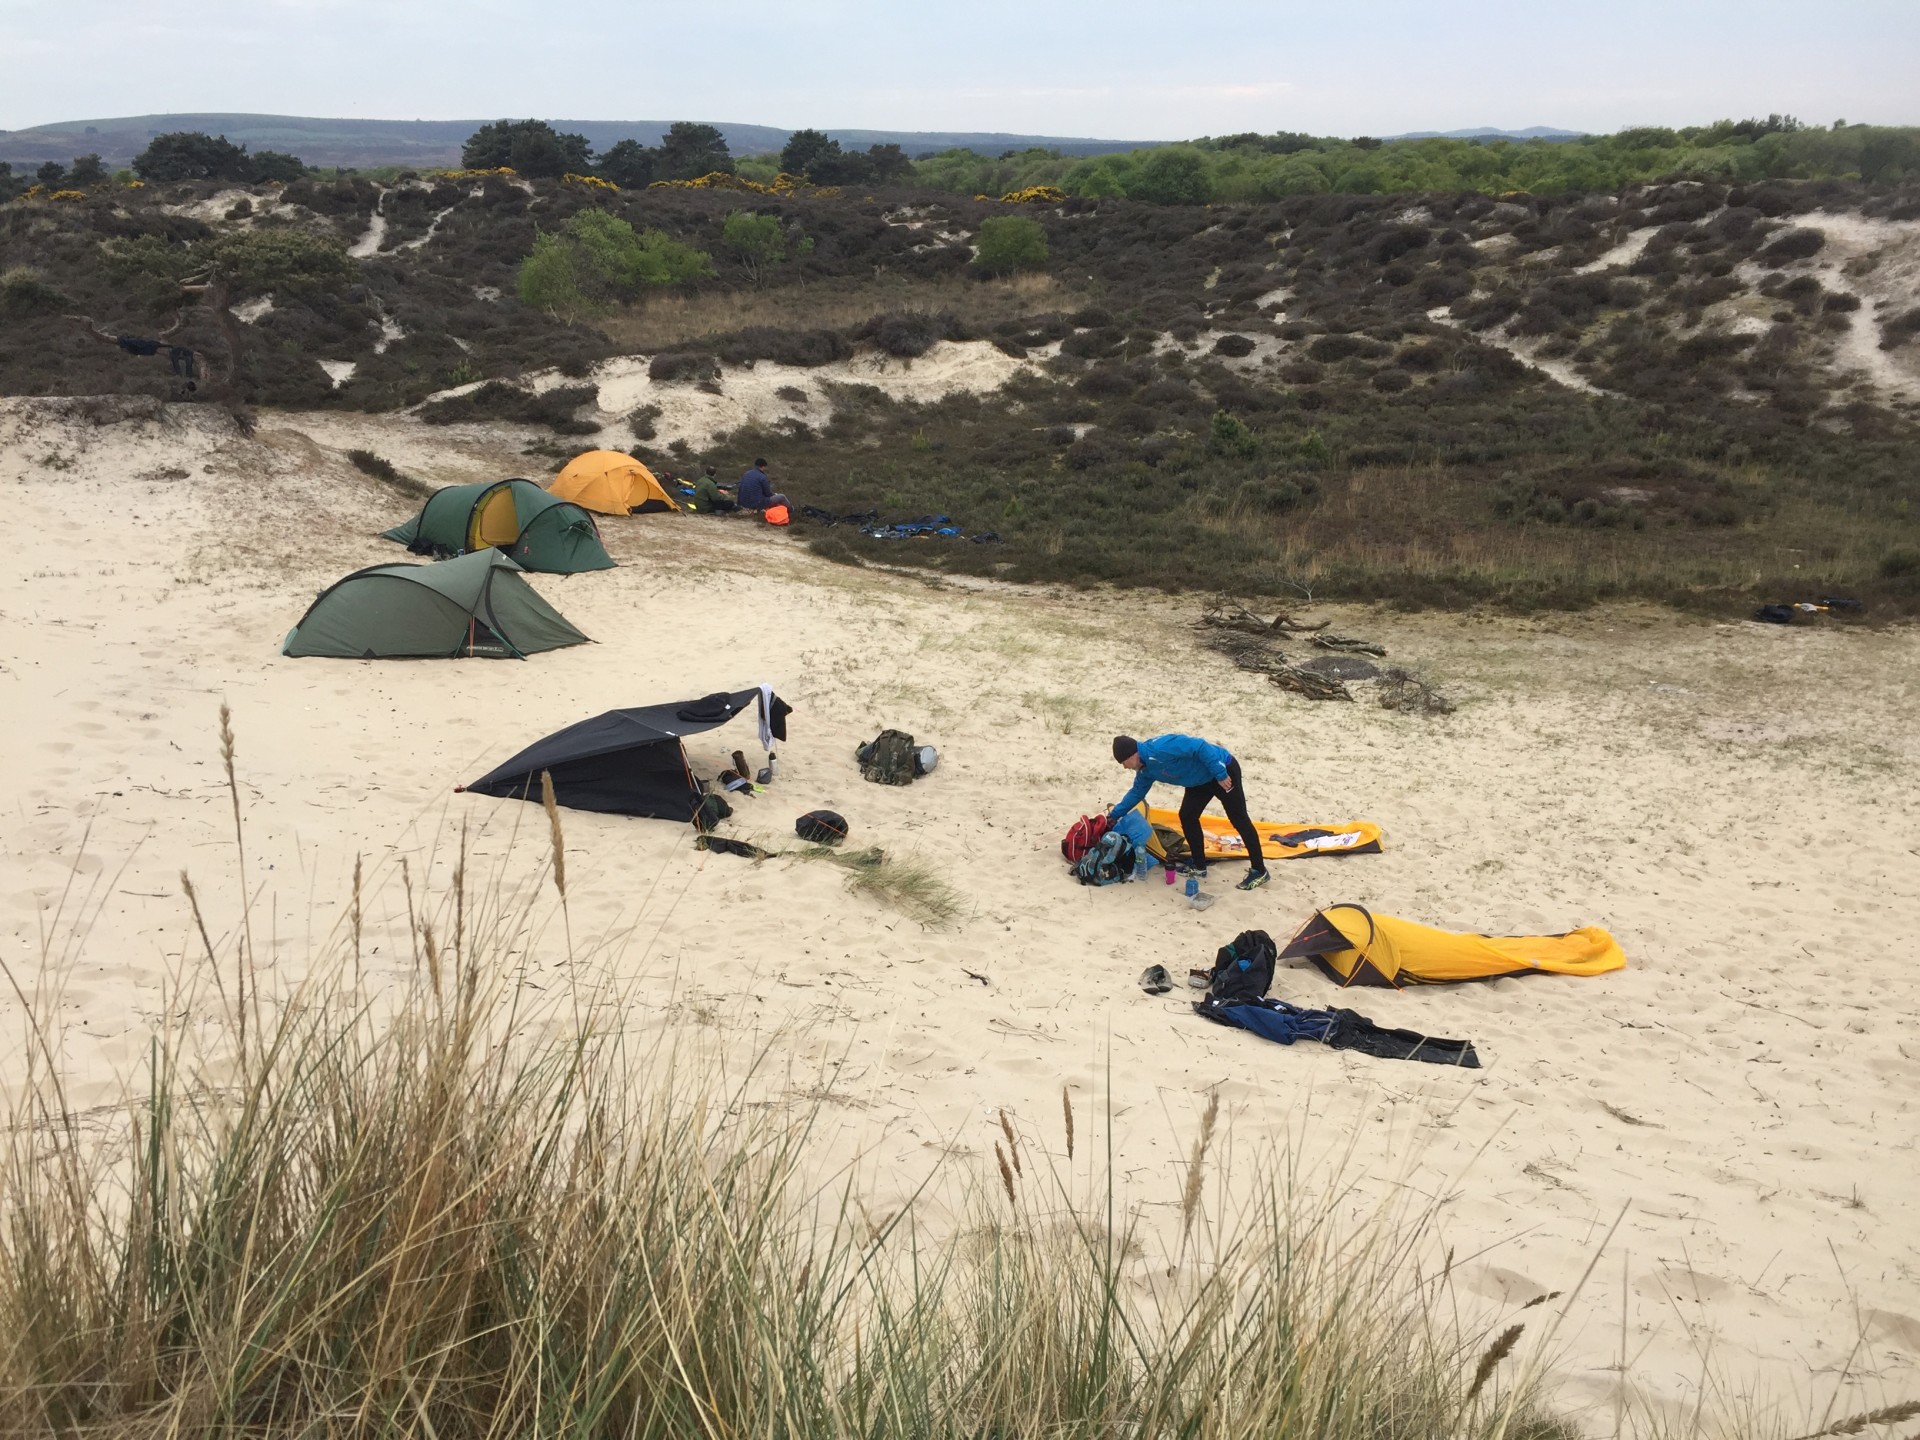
point(1108, 860)
point(709, 813)
point(890, 759)
point(1242, 970)
point(821, 827)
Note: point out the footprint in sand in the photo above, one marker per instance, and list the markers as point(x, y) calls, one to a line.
point(1509, 1287)
point(1897, 1329)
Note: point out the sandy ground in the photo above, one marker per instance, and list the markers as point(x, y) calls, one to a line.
point(1736, 802)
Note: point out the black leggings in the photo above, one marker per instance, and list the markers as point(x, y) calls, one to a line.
point(1234, 802)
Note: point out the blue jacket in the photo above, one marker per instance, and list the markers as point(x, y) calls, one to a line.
point(756, 491)
point(1182, 760)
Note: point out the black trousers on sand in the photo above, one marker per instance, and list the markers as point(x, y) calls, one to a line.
point(1234, 802)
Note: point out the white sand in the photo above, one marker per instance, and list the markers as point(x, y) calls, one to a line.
point(1736, 802)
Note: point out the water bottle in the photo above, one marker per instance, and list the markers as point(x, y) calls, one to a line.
point(1193, 887)
point(1168, 872)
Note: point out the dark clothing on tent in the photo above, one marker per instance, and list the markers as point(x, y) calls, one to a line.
point(1234, 802)
point(1338, 1030)
point(137, 345)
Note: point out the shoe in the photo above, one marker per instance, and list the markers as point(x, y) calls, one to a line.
point(1155, 980)
point(1255, 879)
point(1187, 867)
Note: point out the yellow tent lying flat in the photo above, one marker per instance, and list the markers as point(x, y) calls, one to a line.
point(1356, 947)
point(1279, 842)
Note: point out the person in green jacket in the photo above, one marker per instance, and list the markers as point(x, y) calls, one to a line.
point(710, 496)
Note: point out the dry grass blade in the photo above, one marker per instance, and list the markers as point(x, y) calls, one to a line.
point(1006, 1171)
point(1066, 1110)
point(555, 835)
point(1197, 1165)
point(1501, 1348)
point(1013, 1148)
point(1854, 1424)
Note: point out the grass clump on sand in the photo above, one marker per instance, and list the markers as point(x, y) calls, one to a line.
point(443, 1210)
point(913, 887)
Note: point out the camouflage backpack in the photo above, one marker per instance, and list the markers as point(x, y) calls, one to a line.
point(889, 758)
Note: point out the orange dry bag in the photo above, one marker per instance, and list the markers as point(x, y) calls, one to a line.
point(777, 515)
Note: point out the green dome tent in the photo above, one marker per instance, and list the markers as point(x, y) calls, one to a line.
point(475, 605)
point(541, 531)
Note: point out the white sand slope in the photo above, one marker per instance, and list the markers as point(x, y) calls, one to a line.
point(1735, 802)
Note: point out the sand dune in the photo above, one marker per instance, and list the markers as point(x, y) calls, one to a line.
point(1735, 802)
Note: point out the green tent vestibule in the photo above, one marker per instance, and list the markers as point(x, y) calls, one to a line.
point(476, 605)
point(541, 531)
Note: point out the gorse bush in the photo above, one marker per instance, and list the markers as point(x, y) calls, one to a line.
point(456, 1209)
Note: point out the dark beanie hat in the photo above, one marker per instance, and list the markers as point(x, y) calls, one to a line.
point(1125, 747)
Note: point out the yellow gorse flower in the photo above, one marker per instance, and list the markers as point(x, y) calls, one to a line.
point(1032, 195)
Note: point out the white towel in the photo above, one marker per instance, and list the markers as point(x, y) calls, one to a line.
point(766, 718)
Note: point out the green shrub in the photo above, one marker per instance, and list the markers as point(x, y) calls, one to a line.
point(1009, 243)
point(23, 293)
point(597, 259)
point(1228, 435)
point(758, 242)
point(1900, 563)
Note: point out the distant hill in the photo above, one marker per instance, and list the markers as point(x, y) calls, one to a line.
point(368, 143)
point(1532, 132)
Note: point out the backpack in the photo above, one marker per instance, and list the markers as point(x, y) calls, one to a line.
point(709, 813)
point(1081, 836)
point(1243, 970)
point(821, 827)
point(1109, 861)
point(777, 515)
point(889, 759)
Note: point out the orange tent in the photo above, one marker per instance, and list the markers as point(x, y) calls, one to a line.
point(612, 483)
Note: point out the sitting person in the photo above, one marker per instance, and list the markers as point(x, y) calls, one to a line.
point(710, 496)
point(756, 490)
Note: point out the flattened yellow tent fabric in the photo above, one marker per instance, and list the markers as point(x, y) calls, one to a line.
point(612, 483)
point(1277, 842)
point(1356, 947)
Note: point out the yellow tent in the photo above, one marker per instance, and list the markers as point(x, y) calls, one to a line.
point(612, 483)
point(1356, 947)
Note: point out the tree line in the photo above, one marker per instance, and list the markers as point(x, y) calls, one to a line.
point(1253, 167)
point(687, 151)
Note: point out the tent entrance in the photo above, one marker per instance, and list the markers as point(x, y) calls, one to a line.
point(481, 640)
point(496, 520)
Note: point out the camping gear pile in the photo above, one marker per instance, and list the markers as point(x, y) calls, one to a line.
point(893, 758)
point(1237, 996)
point(1807, 609)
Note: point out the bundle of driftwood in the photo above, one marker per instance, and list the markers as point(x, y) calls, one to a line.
point(1250, 641)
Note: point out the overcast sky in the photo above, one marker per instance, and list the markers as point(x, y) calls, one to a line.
point(1115, 69)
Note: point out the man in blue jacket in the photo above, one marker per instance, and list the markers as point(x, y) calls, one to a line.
point(756, 490)
point(1207, 773)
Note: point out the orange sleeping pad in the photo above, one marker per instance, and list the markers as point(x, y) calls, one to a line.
point(1279, 842)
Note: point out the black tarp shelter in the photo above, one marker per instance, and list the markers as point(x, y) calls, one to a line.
point(630, 762)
